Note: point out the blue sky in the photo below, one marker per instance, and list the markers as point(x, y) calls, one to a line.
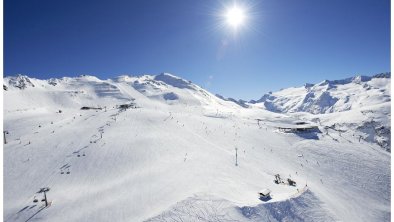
point(283, 42)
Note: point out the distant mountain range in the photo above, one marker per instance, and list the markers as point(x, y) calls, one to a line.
point(367, 95)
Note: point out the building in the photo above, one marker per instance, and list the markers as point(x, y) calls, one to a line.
point(297, 128)
point(265, 194)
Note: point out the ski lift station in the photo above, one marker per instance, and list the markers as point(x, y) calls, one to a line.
point(265, 194)
point(297, 127)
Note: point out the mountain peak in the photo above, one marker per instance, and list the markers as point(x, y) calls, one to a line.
point(174, 81)
point(89, 78)
point(329, 95)
point(20, 81)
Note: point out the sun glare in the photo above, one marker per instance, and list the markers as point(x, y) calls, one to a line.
point(235, 17)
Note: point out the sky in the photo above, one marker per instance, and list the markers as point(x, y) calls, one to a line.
point(282, 43)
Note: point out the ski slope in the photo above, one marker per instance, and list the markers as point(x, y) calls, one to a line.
point(173, 157)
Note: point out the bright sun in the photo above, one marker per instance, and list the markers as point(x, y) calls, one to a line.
point(235, 16)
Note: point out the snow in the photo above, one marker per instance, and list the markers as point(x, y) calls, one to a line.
point(331, 96)
point(360, 104)
point(305, 207)
point(173, 81)
point(174, 159)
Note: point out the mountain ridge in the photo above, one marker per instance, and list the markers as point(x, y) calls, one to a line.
point(366, 95)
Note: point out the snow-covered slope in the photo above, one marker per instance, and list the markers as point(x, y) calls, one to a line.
point(90, 91)
point(173, 157)
point(359, 104)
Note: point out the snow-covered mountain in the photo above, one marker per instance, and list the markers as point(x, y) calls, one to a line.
point(160, 148)
point(330, 96)
point(358, 104)
point(364, 103)
point(85, 90)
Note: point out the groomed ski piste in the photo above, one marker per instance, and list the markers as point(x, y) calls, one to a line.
point(176, 152)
